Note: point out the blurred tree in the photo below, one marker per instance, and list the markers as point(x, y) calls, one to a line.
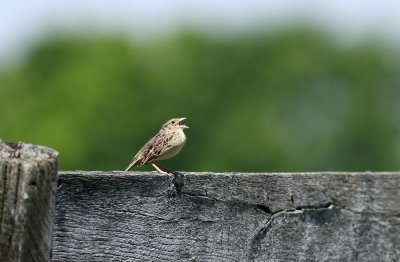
point(286, 101)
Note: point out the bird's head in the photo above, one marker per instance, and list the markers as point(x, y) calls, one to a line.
point(175, 123)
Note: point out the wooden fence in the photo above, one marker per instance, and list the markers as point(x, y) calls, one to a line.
point(144, 216)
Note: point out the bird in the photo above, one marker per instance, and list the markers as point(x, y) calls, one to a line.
point(166, 144)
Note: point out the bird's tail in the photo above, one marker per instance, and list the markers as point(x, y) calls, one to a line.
point(132, 164)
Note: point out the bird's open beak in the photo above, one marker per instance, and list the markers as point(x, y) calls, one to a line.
point(180, 124)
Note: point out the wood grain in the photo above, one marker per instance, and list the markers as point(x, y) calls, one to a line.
point(28, 184)
point(137, 216)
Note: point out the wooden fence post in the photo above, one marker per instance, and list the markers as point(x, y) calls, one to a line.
point(28, 185)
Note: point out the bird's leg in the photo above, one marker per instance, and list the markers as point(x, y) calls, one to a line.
point(161, 170)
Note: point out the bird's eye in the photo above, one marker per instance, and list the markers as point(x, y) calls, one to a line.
point(173, 122)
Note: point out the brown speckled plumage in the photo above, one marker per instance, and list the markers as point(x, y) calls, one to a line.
point(166, 144)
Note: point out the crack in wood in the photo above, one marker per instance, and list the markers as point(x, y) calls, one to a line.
point(26, 221)
point(248, 217)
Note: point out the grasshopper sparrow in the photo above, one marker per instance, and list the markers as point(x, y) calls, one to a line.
point(166, 144)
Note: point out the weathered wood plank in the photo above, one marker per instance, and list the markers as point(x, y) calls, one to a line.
point(28, 184)
point(135, 216)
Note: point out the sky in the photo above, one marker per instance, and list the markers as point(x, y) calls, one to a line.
point(24, 22)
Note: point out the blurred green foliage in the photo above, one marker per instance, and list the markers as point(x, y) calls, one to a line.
point(292, 100)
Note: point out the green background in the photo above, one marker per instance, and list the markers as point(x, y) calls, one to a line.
point(288, 100)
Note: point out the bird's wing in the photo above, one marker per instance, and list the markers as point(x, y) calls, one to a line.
point(158, 143)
